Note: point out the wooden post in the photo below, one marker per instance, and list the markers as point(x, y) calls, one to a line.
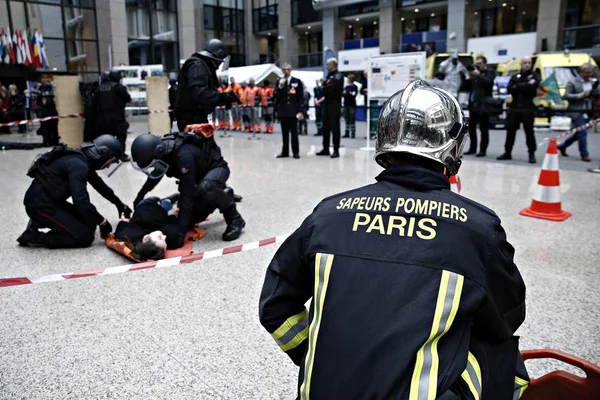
point(68, 101)
point(157, 98)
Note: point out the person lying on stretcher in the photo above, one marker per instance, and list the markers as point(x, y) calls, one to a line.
point(152, 229)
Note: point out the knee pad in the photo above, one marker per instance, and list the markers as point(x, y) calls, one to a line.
point(208, 189)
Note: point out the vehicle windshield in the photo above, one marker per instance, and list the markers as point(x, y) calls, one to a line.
point(564, 74)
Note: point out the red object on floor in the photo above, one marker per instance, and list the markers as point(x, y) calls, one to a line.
point(562, 385)
point(546, 202)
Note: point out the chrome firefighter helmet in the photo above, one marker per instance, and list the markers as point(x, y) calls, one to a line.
point(424, 121)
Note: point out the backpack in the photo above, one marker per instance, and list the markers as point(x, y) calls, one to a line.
point(56, 187)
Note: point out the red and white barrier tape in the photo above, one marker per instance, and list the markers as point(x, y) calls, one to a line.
point(169, 262)
point(572, 131)
point(31, 121)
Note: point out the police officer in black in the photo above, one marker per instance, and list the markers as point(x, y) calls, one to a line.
point(196, 161)
point(414, 290)
point(110, 100)
point(64, 173)
point(523, 88)
point(289, 97)
point(332, 108)
point(197, 85)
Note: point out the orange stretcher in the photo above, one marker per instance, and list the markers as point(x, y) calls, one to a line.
point(192, 235)
point(562, 385)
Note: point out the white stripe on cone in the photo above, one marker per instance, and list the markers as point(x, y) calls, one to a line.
point(547, 194)
point(550, 162)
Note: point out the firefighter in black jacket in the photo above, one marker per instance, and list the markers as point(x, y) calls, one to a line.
point(197, 85)
point(110, 100)
point(332, 108)
point(66, 174)
point(414, 291)
point(523, 88)
point(202, 172)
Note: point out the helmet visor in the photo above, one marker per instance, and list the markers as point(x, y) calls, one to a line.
point(111, 166)
point(155, 170)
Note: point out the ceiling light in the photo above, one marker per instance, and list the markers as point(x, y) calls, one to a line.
point(306, 33)
point(349, 26)
point(503, 4)
point(413, 21)
point(433, 14)
point(309, 27)
point(375, 22)
point(357, 19)
point(402, 19)
point(361, 28)
point(512, 8)
point(269, 33)
point(476, 13)
point(524, 12)
point(416, 10)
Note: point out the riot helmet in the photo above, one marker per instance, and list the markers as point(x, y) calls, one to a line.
point(115, 76)
point(423, 121)
point(215, 50)
point(146, 153)
point(103, 152)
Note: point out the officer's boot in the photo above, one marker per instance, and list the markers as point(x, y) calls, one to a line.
point(235, 197)
point(235, 224)
point(32, 237)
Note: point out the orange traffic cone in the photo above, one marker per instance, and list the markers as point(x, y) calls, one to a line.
point(455, 185)
point(546, 199)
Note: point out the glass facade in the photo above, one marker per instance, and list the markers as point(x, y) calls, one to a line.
point(69, 29)
point(152, 33)
point(511, 17)
point(224, 19)
point(582, 24)
point(265, 16)
point(304, 13)
point(359, 8)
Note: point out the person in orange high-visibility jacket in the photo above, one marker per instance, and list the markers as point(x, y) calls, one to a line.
point(254, 106)
point(266, 102)
point(236, 111)
point(227, 112)
point(243, 95)
point(217, 119)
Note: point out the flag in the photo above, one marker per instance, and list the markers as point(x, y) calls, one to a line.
point(18, 58)
point(548, 90)
point(43, 52)
point(30, 49)
point(35, 41)
point(1, 47)
point(5, 48)
point(21, 47)
point(11, 48)
point(326, 56)
point(25, 44)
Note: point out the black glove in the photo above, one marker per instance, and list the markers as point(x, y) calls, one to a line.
point(181, 239)
point(124, 210)
point(234, 98)
point(105, 229)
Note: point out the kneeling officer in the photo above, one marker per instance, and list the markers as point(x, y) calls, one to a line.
point(197, 162)
point(63, 173)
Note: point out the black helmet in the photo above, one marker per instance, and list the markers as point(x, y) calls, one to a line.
point(215, 50)
point(104, 76)
point(102, 151)
point(114, 76)
point(146, 151)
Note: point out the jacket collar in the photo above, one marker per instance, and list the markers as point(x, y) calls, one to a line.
point(414, 177)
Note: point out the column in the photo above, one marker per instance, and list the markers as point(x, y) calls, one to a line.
point(186, 29)
point(288, 44)
point(333, 31)
point(550, 24)
point(389, 27)
point(112, 18)
point(199, 27)
point(456, 26)
point(250, 42)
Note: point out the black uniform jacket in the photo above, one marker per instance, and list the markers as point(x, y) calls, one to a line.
point(521, 90)
point(290, 98)
point(109, 104)
point(411, 285)
point(481, 88)
point(187, 165)
point(196, 75)
point(333, 89)
point(76, 173)
point(147, 218)
point(350, 92)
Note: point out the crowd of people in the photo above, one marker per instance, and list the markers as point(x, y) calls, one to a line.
point(580, 92)
point(16, 105)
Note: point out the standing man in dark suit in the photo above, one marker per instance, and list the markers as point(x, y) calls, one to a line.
point(482, 82)
point(332, 108)
point(289, 96)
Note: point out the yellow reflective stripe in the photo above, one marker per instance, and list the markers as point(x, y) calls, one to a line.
point(473, 371)
point(289, 324)
point(425, 375)
point(295, 342)
point(323, 264)
point(520, 386)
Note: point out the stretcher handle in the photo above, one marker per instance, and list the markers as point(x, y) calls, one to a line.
point(591, 370)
